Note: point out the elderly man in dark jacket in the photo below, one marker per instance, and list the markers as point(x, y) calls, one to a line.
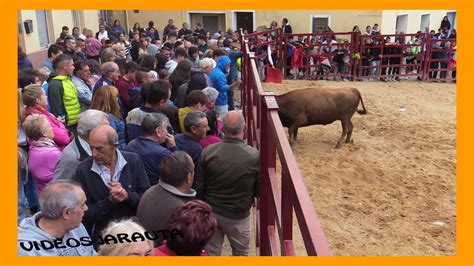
point(113, 180)
point(79, 150)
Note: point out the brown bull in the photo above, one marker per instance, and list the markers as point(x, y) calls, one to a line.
point(319, 106)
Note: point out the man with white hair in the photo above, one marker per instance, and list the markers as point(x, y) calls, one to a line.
point(57, 229)
point(113, 181)
point(212, 44)
point(78, 150)
point(206, 65)
point(110, 74)
point(211, 95)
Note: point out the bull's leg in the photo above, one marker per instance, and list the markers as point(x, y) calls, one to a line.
point(349, 132)
point(344, 133)
point(289, 137)
point(292, 132)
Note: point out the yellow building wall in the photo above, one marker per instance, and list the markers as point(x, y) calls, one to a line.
point(389, 19)
point(56, 20)
point(223, 20)
point(29, 42)
point(91, 20)
point(301, 20)
point(160, 17)
point(60, 18)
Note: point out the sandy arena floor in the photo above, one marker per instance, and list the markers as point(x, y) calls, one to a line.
point(393, 191)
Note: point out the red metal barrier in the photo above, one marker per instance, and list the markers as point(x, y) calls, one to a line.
point(323, 55)
point(259, 42)
point(391, 56)
point(274, 211)
point(440, 58)
point(350, 55)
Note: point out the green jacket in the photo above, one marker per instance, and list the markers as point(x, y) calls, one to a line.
point(414, 49)
point(63, 99)
point(229, 180)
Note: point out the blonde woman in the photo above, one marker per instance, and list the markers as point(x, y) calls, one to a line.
point(119, 50)
point(35, 100)
point(127, 228)
point(105, 99)
point(108, 55)
point(43, 153)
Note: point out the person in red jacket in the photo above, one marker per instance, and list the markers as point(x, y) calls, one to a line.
point(128, 86)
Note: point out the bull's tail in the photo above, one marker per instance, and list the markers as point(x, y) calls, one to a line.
point(363, 111)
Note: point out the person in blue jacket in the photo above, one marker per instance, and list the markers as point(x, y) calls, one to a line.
point(219, 82)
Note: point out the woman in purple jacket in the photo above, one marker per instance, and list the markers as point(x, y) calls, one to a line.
point(43, 153)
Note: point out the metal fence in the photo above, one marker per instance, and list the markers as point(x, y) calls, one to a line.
point(274, 208)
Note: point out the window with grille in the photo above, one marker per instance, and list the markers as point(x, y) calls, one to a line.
point(320, 23)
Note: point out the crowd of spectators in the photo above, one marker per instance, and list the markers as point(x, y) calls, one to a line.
point(123, 134)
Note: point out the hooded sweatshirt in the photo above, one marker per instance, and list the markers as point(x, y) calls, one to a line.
point(33, 241)
point(219, 79)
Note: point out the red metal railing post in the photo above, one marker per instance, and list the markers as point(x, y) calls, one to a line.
point(428, 55)
point(267, 161)
point(356, 50)
point(308, 61)
point(280, 44)
point(249, 102)
point(286, 216)
point(265, 198)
